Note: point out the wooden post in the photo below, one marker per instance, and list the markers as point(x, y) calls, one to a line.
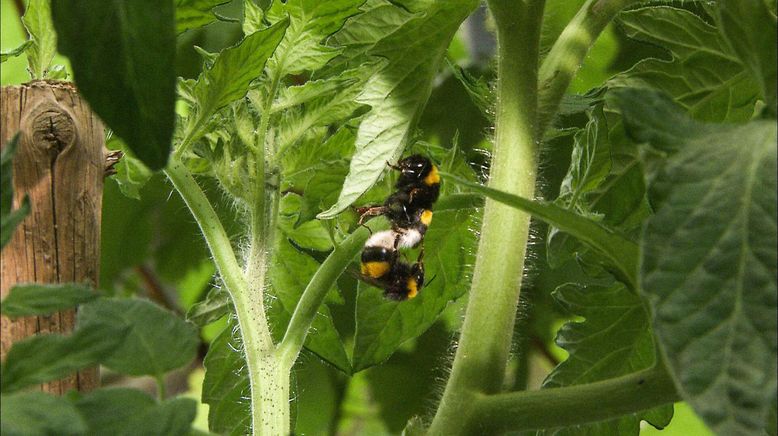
point(60, 164)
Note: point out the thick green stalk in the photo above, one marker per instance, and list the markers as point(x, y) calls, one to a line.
point(269, 395)
point(572, 405)
point(568, 53)
point(485, 339)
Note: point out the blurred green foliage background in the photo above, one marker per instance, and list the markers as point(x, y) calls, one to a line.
point(151, 246)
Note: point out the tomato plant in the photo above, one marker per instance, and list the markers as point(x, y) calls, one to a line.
point(650, 181)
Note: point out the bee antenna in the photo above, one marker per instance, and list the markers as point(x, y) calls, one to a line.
point(431, 280)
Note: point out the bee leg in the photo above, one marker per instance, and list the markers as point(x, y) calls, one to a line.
point(369, 231)
point(420, 259)
point(370, 212)
point(392, 166)
point(397, 241)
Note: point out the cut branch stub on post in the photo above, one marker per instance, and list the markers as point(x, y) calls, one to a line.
point(60, 164)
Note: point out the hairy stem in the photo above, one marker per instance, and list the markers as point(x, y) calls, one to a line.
point(485, 339)
point(568, 53)
point(269, 392)
point(215, 237)
point(573, 405)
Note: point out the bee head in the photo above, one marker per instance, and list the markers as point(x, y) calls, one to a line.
point(415, 166)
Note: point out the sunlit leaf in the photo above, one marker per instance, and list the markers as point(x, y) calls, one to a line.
point(398, 92)
point(311, 22)
point(232, 72)
point(43, 39)
point(191, 14)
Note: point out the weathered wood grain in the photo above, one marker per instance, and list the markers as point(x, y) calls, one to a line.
point(60, 164)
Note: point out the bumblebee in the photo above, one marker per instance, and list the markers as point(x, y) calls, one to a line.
point(381, 266)
point(409, 209)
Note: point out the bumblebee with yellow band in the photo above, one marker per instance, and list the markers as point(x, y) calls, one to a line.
point(409, 209)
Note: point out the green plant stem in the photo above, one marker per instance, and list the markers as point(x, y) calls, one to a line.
point(573, 405)
point(485, 339)
point(209, 223)
point(313, 296)
point(269, 387)
point(568, 53)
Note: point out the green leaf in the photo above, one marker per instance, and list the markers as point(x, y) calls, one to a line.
point(39, 359)
point(621, 252)
point(313, 89)
point(43, 47)
point(704, 75)
point(10, 218)
point(604, 182)
point(191, 14)
point(477, 88)
point(15, 52)
point(310, 234)
point(750, 29)
point(360, 33)
point(216, 305)
point(323, 111)
point(290, 273)
point(122, 411)
point(226, 385)
point(383, 325)
point(590, 162)
point(615, 340)
point(124, 52)
point(39, 414)
point(38, 299)
point(714, 298)
point(298, 167)
point(398, 92)
point(311, 21)
point(236, 67)
point(417, 365)
point(131, 174)
point(157, 340)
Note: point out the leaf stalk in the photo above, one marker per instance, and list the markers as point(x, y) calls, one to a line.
point(569, 51)
point(573, 405)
